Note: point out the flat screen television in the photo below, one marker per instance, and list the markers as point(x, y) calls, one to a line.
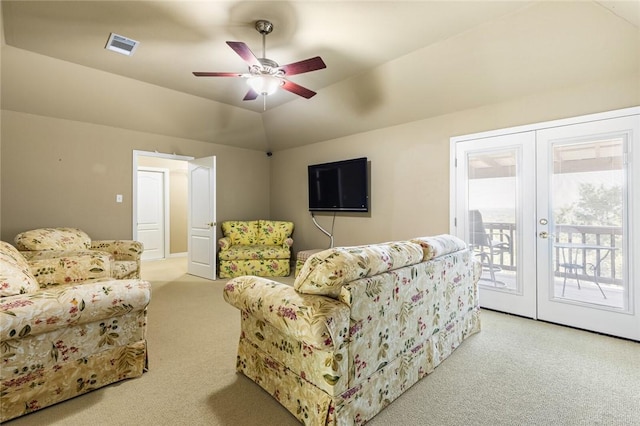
point(341, 186)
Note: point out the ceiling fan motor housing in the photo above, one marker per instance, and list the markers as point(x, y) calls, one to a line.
point(264, 27)
point(268, 67)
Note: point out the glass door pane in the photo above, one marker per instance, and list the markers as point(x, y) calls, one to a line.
point(588, 205)
point(492, 199)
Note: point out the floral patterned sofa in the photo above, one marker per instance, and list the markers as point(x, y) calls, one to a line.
point(359, 327)
point(62, 339)
point(46, 245)
point(256, 247)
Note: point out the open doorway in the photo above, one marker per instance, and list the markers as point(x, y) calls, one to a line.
point(160, 206)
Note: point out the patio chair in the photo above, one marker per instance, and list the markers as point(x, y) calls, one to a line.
point(485, 246)
point(571, 252)
point(571, 266)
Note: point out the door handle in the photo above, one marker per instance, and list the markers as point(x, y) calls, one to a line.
point(544, 234)
point(211, 224)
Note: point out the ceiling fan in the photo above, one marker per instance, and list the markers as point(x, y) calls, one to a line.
point(265, 76)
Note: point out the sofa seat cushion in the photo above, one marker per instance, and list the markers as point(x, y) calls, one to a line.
point(15, 275)
point(54, 267)
point(53, 239)
point(325, 272)
point(440, 245)
point(243, 232)
point(257, 252)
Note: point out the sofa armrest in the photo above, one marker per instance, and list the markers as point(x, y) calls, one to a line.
point(53, 267)
point(319, 321)
point(287, 243)
point(224, 243)
point(477, 269)
point(59, 307)
point(119, 249)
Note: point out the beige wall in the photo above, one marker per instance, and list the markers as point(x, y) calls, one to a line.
point(59, 172)
point(410, 164)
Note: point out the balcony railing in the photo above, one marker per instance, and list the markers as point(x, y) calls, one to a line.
point(608, 260)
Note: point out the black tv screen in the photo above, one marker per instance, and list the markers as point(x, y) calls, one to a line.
point(341, 186)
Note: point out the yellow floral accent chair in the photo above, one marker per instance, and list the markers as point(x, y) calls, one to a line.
point(48, 245)
point(66, 338)
point(257, 247)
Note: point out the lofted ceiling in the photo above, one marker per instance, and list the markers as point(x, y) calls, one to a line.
point(358, 40)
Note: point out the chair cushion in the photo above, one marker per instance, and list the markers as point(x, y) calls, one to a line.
point(15, 275)
point(439, 245)
point(241, 231)
point(53, 239)
point(257, 252)
point(325, 272)
point(274, 232)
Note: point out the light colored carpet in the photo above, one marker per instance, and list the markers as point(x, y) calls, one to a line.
point(514, 372)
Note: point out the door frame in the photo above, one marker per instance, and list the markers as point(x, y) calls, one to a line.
point(135, 162)
point(166, 215)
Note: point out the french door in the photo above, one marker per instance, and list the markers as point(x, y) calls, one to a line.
point(550, 210)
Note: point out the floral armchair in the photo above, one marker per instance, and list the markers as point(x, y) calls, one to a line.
point(257, 247)
point(44, 247)
point(62, 339)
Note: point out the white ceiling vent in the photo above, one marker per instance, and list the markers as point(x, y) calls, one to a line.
point(120, 44)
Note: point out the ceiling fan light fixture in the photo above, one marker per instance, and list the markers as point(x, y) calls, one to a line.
point(264, 84)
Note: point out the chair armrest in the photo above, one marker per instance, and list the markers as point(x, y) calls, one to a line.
point(224, 243)
point(63, 306)
point(319, 321)
point(54, 267)
point(119, 249)
point(288, 242)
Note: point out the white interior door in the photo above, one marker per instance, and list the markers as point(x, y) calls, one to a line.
point(202, 218)
point(584, 233)
point(152, 215)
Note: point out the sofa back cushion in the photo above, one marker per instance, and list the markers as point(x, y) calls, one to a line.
point(53, 239)
point(325, 272)
point(273, 232)
point(241, 232)
point(15, 275)
point(439, 245)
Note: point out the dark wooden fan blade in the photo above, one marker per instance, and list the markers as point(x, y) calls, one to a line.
point(251, 95)
point(216, 74)
point(307, 65)
point(245, 53)
point(297, 89)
